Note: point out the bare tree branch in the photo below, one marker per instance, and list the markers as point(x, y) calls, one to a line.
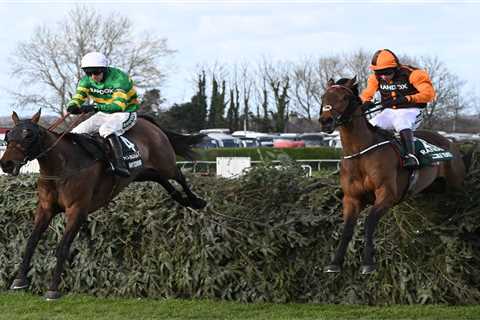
point(48, 64)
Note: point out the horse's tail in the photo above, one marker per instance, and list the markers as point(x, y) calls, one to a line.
point(181, 143)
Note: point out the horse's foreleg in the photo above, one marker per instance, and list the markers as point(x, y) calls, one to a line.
point(42, 220)
point(75, 217)
point(351, 209)
point(377, 211)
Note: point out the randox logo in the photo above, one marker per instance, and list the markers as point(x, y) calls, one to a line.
point(101, 91)
point(391, 87)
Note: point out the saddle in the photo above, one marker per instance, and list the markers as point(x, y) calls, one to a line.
point(98, 149)
point(428, 154)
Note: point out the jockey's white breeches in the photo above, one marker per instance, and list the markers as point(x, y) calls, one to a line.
point(397, 119)
point(107, 123)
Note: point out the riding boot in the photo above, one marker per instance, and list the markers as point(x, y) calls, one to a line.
point(119, 166)
point(410, 159)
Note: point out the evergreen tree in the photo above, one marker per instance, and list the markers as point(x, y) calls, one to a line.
point(199, 101)
point(231, 112)
point(236, 118)
point(265, 124)
point(220, 107)
point(280, 91)
point(212, 115)
point(151, 102)
point(181, 117)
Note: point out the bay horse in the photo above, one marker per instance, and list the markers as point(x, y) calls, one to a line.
point(371, 172)
point(71, 181)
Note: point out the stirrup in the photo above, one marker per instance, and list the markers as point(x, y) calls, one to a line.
point(413, 157)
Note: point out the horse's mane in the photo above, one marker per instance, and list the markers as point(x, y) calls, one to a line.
point(384, 134)
point(354, 87)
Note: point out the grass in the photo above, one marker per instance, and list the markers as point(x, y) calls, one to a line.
point(28, 306)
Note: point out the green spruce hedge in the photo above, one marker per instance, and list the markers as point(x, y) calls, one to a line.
point(264, 237)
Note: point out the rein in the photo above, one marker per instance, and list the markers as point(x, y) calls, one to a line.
point(366, 150)
point(58, 121)
point(53, 126)
point(348, 115)
point(70, 127)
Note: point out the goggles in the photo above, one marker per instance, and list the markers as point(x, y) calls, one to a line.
point(93, 71)
point(385, 72)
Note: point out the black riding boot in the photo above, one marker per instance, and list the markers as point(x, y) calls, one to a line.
point(119, 166)
point(410, 160)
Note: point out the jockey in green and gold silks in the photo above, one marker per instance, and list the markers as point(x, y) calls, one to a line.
point(115, 98)
point(116, 93)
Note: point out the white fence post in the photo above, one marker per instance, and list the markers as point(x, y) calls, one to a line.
point(231, 167)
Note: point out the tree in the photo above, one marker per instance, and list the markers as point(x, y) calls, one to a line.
point(231, 112)
point(278, 81)
point(217, 105)
point(305, 86)
point(212, 115)
point(151, 102)
point(48, 64)
point(180, 117)
point(357, 64)
point(448, 100)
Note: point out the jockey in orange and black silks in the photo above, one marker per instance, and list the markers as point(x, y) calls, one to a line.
point(404, 91)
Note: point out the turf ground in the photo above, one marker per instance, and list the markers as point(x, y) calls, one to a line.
point(28, 306)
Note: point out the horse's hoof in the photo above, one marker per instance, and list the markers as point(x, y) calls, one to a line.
point(52, 295)
point(368, 269)
point(333, 268)
point(198, 204)
point(19, 284)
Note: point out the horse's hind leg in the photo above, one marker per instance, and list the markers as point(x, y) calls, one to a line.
point(174, 193)
point(195, 202)
point(42, 220)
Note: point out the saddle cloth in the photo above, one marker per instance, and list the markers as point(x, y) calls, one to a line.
point(99, 149)
point(428, 154)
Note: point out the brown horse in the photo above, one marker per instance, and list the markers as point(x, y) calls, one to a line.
point(71, 181)
point(375, 176)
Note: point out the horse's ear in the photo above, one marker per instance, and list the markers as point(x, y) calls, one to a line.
point(36, 116)
point(351, 82)
point(330, 82)
point(15, 118)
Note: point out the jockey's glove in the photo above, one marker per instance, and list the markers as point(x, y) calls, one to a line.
point(367, 105)
point(73, 109)
point(394, 102)
point(86, 108)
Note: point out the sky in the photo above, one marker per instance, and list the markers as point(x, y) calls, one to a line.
point(245, 30)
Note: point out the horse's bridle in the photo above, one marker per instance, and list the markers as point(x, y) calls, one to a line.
point(347, 115)
point(33, 148)
point(36, 152)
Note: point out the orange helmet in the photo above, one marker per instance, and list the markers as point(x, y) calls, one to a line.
point(383, 59)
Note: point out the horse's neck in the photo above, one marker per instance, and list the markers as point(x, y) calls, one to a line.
point(53, 161)
point(356, 136)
